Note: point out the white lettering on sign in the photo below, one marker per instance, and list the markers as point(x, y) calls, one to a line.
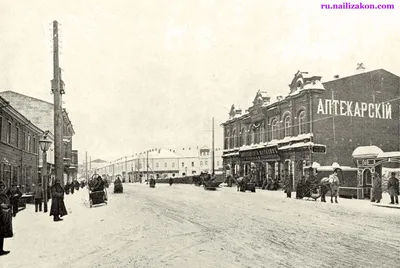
point(350, 108)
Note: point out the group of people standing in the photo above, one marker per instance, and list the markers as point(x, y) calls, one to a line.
point(392, 188)
point(9, 200)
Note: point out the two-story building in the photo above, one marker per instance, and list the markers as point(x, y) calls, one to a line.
point(19, 148)
point(315, 122)
point(41, 113)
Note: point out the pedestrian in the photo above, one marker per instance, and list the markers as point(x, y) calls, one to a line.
point(376, 192)
point(393, 188)
point(6, 230)
point(57, 201)
point(289, 186)
point(300, 188)
point(38, 194)
point(14, 194)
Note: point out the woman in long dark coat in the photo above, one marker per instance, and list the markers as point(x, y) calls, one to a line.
point(6, 230)
point(57, 201)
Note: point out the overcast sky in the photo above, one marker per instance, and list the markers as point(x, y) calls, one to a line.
point(149, 74)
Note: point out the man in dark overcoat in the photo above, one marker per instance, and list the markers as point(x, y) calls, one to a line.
point(14, 194)
point(6, 230)
point(58, 208)
point(393, 189)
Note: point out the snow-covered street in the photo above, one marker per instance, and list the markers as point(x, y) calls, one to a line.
point(186, 226)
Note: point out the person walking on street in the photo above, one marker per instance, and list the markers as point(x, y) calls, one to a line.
point(289, 186)
point(57, 201)
point(393, 189)
point(14, 194)
point(376, 194)
point(334, 184)
point(6, 230)
point(38, 194)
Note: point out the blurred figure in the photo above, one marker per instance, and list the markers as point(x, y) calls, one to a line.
point(38, 194)
point(393, 188)
point(376, 194)
point(14, 194)
point(58, 208)
point(6, 230)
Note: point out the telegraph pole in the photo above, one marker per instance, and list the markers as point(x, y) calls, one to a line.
point(57, 89)
point(86, 177)
point(212, 152)
point(147, 165)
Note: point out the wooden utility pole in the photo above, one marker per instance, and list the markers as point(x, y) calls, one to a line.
point(212, 152)
point(57, 89)
point(147, 165)
point(86, 168)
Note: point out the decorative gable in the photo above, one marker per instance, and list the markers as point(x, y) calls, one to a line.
point(261, 98)
point(302, 80)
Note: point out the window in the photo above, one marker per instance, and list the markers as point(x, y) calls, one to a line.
point(192, 164)
point(234, 139)
point(228, 139)
point(157, 165)
point(17, 138)
point(201, 163)
point(275, 129)
point(9, 133)
point(173, 164)
point(206, 163)
point(217, 163)
point(34, 145)
point(183, 164)
point(24, 140)
point(287, 126)
point(1, 128)
point(302, 122)
point(29, 143)
point(165, 164)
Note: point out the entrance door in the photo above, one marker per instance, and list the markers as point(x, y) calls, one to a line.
point(367, 183)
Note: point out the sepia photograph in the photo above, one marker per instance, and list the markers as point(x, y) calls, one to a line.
point(199, 134)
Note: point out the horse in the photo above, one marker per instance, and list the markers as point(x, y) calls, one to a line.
point(330, 184)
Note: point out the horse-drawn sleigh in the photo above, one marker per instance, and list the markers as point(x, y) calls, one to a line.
point(97, 191)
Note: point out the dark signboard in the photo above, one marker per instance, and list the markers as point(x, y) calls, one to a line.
point(259, 154)
point(321, 149)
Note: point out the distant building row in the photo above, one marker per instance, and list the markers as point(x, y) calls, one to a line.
point(162, 163)
point(23, 121)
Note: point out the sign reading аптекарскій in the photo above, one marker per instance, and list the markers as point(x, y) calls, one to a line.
point(354, 108)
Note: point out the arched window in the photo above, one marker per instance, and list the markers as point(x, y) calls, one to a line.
point(234, 139)
point(243, 137)
point(288, 126)
point(227, 136)
point(248, 137)
point(275, 129)
point(302, 122)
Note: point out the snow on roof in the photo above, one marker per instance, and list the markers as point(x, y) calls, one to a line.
point(388, 154)
point(366, 151)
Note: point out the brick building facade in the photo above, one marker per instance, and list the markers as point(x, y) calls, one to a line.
point(315, 122)
point(19, 146)
point(41, 113)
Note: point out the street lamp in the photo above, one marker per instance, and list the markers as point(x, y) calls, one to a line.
point(44, 144)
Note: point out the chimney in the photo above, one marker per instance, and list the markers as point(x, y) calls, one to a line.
point(336, 76)
point(279, 97)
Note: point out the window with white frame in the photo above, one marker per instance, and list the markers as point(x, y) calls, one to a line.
point(275, 129)
point(288, 126)
point(29, 143)
point(302, 122)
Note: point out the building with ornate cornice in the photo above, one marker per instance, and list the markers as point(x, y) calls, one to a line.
point(316, 122)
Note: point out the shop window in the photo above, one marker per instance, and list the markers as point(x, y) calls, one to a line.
point(275, 129)
point(302, 122)
point(288, 126)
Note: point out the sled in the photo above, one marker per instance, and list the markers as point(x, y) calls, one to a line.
point(211, 185)
point(97, 197)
